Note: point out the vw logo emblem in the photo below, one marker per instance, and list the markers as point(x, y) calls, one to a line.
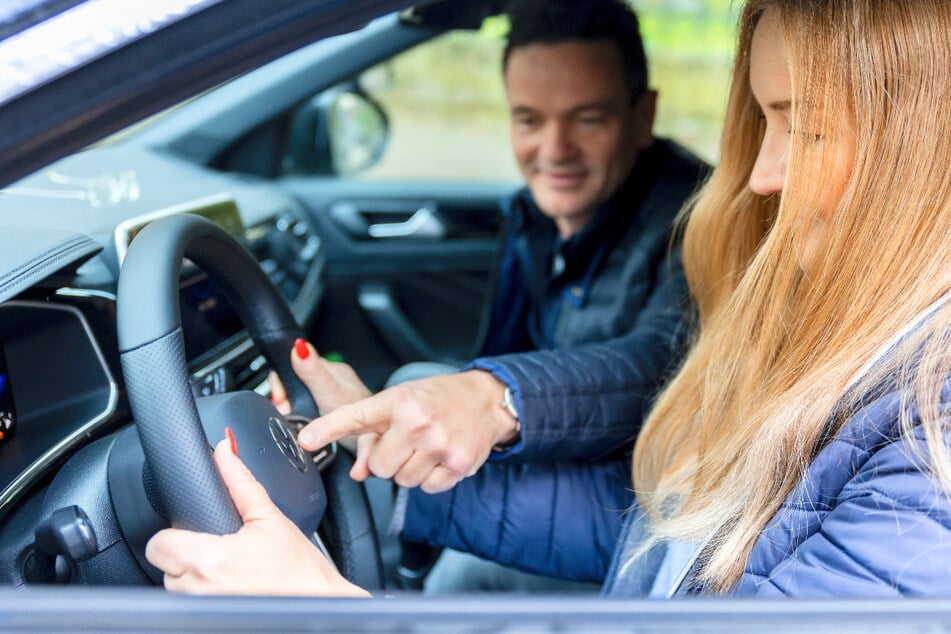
point(287, 443)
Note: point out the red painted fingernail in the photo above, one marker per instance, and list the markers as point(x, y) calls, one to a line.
point(300, 346)
point(273, 398)
point(230, 436)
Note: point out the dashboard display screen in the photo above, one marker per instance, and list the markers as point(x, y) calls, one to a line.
point(8, 415)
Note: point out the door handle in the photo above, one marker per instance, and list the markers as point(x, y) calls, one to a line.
point(422, 224)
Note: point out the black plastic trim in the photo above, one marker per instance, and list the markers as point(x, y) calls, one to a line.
point(131, 610)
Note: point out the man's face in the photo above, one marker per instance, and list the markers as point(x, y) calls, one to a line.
point(575, 132)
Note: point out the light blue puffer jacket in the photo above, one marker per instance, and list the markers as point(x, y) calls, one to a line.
point(866, 521)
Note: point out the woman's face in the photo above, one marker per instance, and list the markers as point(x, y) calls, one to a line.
point(772, 89)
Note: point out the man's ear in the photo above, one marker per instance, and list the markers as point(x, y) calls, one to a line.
point(645, 108)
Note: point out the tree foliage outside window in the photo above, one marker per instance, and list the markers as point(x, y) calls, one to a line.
point(690, 46)
point(446, 103)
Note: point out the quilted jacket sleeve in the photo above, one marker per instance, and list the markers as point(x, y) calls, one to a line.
point(560, 520)
point(587, 402)
point(554, 504)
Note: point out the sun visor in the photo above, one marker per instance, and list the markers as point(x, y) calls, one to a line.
point(30, 254)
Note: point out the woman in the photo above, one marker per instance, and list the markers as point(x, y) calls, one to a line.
point(810, 422)
point(793, 365)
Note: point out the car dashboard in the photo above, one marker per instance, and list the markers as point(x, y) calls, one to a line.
point(61, 385)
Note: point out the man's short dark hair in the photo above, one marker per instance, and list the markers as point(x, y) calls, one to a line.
point(560, 21)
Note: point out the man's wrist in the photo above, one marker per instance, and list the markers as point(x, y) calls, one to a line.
point(497, 412)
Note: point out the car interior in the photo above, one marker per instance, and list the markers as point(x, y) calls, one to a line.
point(173, 219)
point(377, 273)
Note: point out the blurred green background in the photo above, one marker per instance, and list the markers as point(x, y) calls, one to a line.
point(447, 108)
point(689, 45)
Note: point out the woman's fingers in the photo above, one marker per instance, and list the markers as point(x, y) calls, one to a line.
point(268, 555)
point(250, 498)
point(331, 384)
point(278, 393)
point(167, 548)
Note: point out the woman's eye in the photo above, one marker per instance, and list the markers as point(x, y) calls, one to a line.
point(809, 137)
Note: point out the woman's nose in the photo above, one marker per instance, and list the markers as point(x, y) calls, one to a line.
point(769, 171)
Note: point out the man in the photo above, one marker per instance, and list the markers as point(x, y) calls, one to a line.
point(588, 233)
point(591, 228)
point(586, 259)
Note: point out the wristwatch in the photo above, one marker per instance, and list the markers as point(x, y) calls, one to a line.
point(508, 404)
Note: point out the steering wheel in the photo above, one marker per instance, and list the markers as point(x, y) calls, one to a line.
point(181, 478)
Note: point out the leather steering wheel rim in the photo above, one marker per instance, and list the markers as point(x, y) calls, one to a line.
point(152, 352)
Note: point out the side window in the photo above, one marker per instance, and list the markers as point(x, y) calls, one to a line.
point(438, 111)
point(434, 112)
point(689, 46)
point(447, 112)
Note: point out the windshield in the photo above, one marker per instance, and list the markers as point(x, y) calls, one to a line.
point(72, 38)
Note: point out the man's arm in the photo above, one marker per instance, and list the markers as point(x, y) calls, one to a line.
point(587, 402)
point(574, 405)
point(430, 433)
point(559, 520)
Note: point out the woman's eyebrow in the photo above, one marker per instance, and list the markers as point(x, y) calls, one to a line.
point(783, 105)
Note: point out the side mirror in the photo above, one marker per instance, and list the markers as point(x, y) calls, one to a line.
point(358, 130)
point(340, 131)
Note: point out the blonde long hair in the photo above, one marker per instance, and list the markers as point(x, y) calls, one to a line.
point(764, 383)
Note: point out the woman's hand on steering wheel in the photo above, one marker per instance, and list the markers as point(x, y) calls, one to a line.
point(269, 555)
point(331, 383)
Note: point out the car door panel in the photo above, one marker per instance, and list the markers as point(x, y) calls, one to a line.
point(410, 268)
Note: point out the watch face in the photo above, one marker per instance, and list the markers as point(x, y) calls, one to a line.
point(508, 402)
